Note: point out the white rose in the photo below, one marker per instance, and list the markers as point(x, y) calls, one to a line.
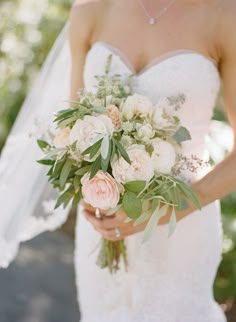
point(141, 167)
point(163, 156)
point(137, 105)
point(89, 130)
point(61, 139)
point(144, 132)
point(162, 114)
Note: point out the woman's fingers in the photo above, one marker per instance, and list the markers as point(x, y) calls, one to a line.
point(106, 222)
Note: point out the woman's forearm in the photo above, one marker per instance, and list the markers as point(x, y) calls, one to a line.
point(216, 184)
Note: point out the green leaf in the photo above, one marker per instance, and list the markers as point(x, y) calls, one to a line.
point(46, 162)
point(105, 147)
point(64, 199)
point(122, 151)
point(144, 217)
point(65, 172)
point(172, 223)
point(135, 186)
point(43, 144)
point(94, 149)
point(83, 170)
point(189, 194)
point(105, 163)
point(57, 168)
point(183, 204)
point(76, 199)
point(132, 205)
point(95, 167)
point(76, 183)
point(153, 221)
point(113, 150)
point(182, 134)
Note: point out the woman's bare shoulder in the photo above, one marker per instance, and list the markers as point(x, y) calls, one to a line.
point(84, 15)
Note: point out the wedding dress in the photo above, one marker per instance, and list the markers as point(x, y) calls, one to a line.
point(168, 279)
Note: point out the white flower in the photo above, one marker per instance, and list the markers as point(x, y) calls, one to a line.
point(137, 105)
point(162, 114)
point(163, 156)
point(89, 130)
point(126, 141)
point(141, 167)
point(144, 132)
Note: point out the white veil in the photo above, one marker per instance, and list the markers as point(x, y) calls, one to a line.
point(26, 198)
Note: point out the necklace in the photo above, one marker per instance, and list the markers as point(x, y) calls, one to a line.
point(152, 19)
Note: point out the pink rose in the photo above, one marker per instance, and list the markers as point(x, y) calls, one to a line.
point(114, 114)
point(102, 191)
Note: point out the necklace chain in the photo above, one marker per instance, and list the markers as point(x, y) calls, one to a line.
point(153, 19)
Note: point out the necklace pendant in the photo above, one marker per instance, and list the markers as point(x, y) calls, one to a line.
point(152, 20)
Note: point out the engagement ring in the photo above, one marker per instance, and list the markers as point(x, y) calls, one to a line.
point(117, 232)
point(97, 213)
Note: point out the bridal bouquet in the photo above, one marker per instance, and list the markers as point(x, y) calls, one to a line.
point(117, 150)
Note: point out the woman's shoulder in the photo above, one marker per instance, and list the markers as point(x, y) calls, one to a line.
point(85, 14)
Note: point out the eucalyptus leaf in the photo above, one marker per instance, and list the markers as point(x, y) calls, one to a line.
point(132, 205)
point(182, 134)
point(135, 186)
point(189, 194)
point(144, 217)
point(172, 223)
point(153, 221)
point(105, 147)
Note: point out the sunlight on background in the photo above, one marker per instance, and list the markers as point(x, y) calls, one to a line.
point(28, 28)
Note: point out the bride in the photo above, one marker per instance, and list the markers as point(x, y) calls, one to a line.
point(169, 46)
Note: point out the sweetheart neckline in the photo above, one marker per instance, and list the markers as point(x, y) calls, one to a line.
point(155, 61)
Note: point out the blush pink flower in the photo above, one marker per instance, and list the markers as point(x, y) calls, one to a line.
point(102, 191)
point(114, 114)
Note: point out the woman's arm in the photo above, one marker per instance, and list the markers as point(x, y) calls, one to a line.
point(222, 179)
point(80, 31)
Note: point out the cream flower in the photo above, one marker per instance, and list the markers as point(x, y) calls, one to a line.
point(163, 156)
point(89, 130)
point(137, 105)
point(162, 114)
point(102, 191)
point(61, 138)
point(141, 167)
point(144, 132)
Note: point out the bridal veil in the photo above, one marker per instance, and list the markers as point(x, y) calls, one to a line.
point(26, 198)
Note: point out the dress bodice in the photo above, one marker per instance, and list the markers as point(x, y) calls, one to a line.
point(181, 71)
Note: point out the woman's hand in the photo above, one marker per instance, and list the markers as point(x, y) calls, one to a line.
point(106, 224)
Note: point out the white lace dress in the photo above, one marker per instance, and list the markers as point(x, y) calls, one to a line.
point(168, 280)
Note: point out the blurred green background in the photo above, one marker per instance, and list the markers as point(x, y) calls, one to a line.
point(28, 29)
